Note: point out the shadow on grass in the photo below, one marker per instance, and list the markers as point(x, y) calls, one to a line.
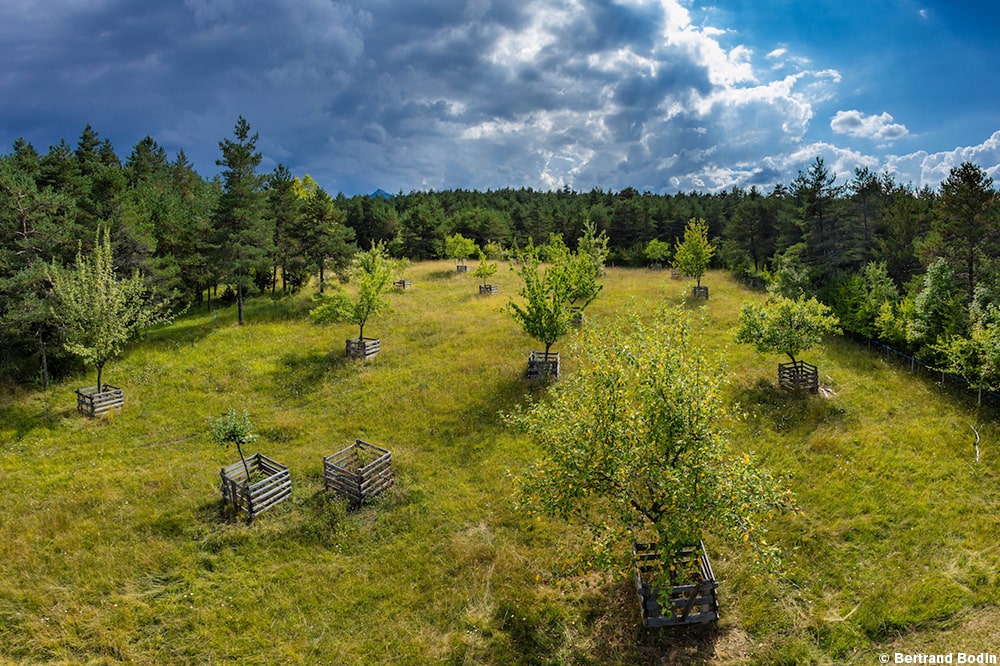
point(442, 275)
point(536, 632)
point(303, 373)
point(787, 410)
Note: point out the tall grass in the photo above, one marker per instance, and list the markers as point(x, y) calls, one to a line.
point(114, 548)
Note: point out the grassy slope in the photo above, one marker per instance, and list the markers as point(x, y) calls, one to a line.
point(112, 545)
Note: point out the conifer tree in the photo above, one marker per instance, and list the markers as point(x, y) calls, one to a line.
point(244, 235)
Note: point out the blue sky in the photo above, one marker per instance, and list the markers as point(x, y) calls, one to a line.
point(660, 95)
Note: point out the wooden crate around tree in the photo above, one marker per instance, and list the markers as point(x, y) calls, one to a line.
point(269, 484)
point(462, 268)
point(402, 285)
point(692, 598)
point(359, 472)
point(798, 376)
point(489, 289)
point(94, 401)
point(699, 292)
point(363, 348)
point(542, 364)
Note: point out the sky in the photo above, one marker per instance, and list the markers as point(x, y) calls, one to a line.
point(659, 95)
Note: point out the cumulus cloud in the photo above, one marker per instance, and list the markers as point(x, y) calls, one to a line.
point(451, 93)
point(879, 128)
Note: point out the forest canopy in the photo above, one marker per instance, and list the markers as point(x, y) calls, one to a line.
point(914, 267)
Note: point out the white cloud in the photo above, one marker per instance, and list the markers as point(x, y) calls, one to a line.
point(929, 169)
point(879, 128)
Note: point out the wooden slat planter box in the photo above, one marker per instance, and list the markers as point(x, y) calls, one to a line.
point(462, 268)
point(576, 318)
point(699, 292)
point(690, 601)
point(91, 401)
point(363, 347)
point(542, 365)
point(274, 486)
point(358, 472)
point(798, 376)
point(402, 284)
point(489, 289)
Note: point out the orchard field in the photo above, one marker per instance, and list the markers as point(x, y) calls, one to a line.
point(113, 547)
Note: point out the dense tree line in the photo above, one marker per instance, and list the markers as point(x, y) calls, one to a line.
point(913, 267)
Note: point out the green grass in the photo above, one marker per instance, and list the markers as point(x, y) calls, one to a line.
point(113, 547)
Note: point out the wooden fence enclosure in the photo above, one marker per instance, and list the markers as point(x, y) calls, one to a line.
point(358, 472)
point(363, 347)
point(402, 284)
point(699, 292)
point(462, 268)
point(799, 376)
point(489, 289)
point(270, 484)
point(542, 365)
point(93, 401)
point(692, 600)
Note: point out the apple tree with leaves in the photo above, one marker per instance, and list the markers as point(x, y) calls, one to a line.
point(635, 446)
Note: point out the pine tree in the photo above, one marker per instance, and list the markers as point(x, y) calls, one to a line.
point(243, 235)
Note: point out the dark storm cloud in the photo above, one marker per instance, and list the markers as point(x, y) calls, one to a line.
point(437, 94)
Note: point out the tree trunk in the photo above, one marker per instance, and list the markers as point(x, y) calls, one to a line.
point(361, 332)
point(43, 361)
point(239, 303)
point(246, 468)
point(100, 373)
point(274, 279)
point(322, 282)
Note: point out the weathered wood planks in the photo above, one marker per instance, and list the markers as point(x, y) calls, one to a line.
point(799, 376)
point(359, 472)
point(258, 496)
point(690, 601)
point(541, 364)
point(363, 348)
point(94, 401)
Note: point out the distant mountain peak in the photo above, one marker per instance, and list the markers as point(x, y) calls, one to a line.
point(381, 194)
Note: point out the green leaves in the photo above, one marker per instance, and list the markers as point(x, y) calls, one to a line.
point(634, 445)
point(459, 247)
point(373, 270)
point(485, 270)
point(232, 428)
point(99, 311)
point(692, 254)
point(784, 325)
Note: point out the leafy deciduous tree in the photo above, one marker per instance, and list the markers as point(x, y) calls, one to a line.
point(634, 443)
point(458, 247)
point(373, 270)
point(693, 254)
point(784, 325)
point(98, 310)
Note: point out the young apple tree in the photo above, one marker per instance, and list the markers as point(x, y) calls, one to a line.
point(693, 254)
point(459, 248)
point(634, 445)
point(485, 270)
point(546, 314)
point(98, 310)
point(233, 428)
point(785, 326)
point(373, 270)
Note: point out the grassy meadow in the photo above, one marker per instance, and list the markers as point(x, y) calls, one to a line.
point(113, 547)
